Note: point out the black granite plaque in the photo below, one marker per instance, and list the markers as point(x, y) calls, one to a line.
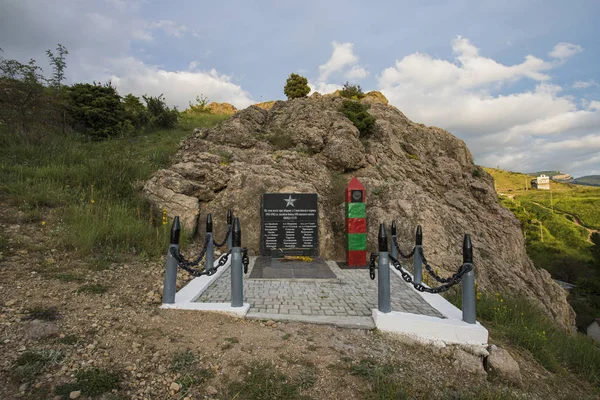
point(290, 224)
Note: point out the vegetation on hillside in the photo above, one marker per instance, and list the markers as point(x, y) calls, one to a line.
point(86, 192)
point(352, 91)
point(359, 115)
point(296, 86)
point(558, 227)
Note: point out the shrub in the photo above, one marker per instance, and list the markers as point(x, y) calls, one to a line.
point(161, 116)
point(296, 86)
point(351, 91)
point(135, 111)
point(360, 117)
point(96, 109)
point(200, 107)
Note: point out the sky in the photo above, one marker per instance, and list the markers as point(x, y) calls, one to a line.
point(518, 81)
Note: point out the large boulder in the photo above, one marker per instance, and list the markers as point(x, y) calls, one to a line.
point(500, 365)
point(413, 174)
point(374, 97)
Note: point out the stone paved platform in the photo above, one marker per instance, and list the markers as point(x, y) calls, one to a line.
point(351, 294)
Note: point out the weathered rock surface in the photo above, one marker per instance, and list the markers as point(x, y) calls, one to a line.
point(265, 105)
point(36, 329)
point(469, 363)
point(413, 174)
point(500, 364)
point(373, 97)
point(222, 108)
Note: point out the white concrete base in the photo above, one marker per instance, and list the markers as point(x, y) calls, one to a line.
point(215, 307)
point(186, 298)
point(425, 328)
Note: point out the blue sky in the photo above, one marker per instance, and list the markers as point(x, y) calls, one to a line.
point(517, 80)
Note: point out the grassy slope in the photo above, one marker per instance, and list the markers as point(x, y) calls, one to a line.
point(92, 186)
point(554, 240)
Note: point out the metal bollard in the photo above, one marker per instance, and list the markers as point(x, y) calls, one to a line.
point(229, 221)
point(417, 262)
point(383, 276)
point(170, 285)
point(468, 284)
point(393, 234)
point(210, 248)
point(237, 285)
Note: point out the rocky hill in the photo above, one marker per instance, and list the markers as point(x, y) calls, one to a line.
point(413, 174)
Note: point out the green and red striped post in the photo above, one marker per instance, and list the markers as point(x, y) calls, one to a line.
point(356, 225)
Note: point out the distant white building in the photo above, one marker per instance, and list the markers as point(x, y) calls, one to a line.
point(593, 330)
point(542, 182)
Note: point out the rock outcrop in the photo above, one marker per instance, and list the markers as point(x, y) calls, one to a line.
point(221, 108)
point(265, 105)
point(413, 174)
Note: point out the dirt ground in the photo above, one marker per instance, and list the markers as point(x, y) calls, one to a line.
point(108, 317)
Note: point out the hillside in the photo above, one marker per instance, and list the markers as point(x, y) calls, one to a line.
point(589, 180)
point(558, 227)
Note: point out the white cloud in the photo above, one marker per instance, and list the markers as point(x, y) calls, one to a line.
point(323, 87)
point(169, 27)
point(585, 84)
point(357, 73)
point(343, 62)
point(565, 50)
point(342, 57)
point(179, 87)
point(525, 130)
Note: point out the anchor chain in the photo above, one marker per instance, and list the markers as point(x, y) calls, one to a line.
point(245, 259)
point(456, 278)
point(224, 240)
point(183, 263)
point(432, 272)
point(402, 254)
point(372, 265)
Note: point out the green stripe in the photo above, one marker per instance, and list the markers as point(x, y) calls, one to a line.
point(356, 210)
point(357, 241)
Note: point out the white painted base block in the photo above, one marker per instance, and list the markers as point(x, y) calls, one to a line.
point(186, 298)
point(215, 307)
point(422, 327)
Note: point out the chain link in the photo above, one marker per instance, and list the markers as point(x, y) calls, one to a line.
point(185, 263)
point(245, 259)
point(409, 255)
point(224, 240)
point(372, 265)
point(456, 278)
point(432, 272)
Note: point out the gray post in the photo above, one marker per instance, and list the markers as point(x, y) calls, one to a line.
point(210, 249)
point(393, 232)
point(468, 284)
point(417, 262)
point(229, 221)
point(237, 286)
point(170, 285)
point(383, 276)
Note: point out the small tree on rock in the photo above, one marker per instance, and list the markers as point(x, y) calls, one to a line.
point(296, 86)
point(351, 91)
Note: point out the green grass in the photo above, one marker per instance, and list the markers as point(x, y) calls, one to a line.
point(68, 277)
point(91, 382)
point(185, 364)
point(31, 364)
point(525, 326)
point(93, 186)
point(263, 381)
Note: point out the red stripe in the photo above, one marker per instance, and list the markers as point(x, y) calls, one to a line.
point(356, 258)
point(356, 225)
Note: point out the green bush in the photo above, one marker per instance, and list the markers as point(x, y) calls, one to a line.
point(360, 117)
point(351, 91)
point(96, 110)
point(161, 116)
point(135, 111)
point(296, 86)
